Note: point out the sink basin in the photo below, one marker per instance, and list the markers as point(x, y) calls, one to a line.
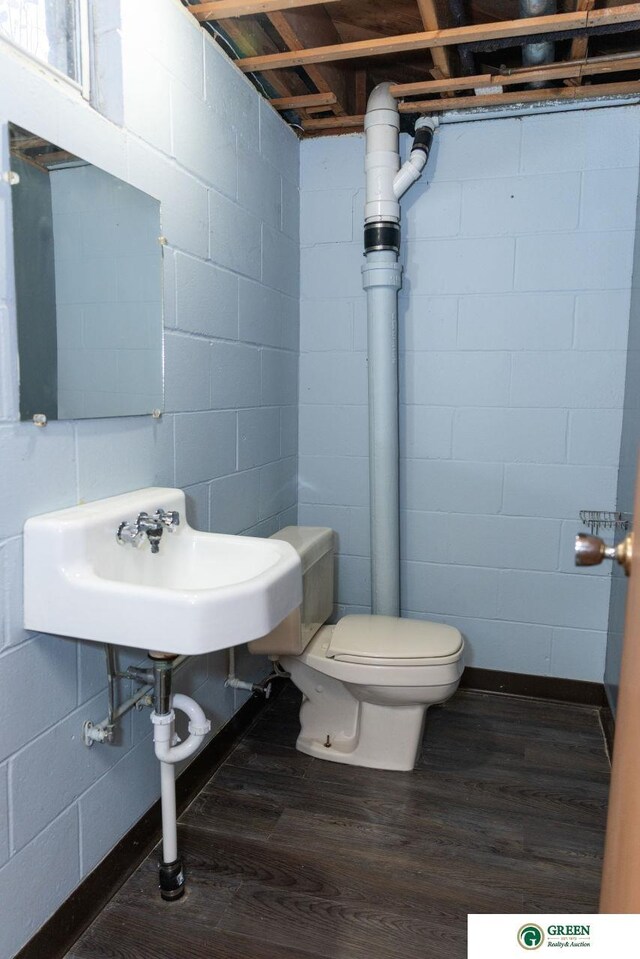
point(199, 593)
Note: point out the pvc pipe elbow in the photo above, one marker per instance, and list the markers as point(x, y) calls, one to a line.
point(176, 754)
point(412, 169)
point(432, 123)
point(199, 725)
point(381, 123)
point(381, 99)
point(163, 726)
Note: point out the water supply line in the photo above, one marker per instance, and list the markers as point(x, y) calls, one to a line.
point(110, 659)
point(104, 731)
point(386, 182)
point(234, 682)
point(263, 687)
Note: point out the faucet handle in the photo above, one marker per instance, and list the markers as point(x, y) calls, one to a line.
point(129, 533)
point(169, 518)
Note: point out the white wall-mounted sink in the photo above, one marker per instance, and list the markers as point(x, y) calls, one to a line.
point(199, 593)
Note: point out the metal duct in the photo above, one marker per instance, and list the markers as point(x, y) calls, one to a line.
point(536, 54)
point(460, 19)
point(504, 43)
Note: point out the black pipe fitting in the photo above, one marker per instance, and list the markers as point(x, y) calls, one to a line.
point(171, 880)
point(381, 235)
point(422, 140)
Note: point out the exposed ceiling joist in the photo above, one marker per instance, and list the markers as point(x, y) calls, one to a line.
point(532, 26)
point(221, 9)
point(354, 123)
point(317, 59)
point(298, 29)
point(249, 37)
point(430, 21)
point(553, 71)
point(360, 99)
point(580, 45)
point(520, 96)
point(312, 100)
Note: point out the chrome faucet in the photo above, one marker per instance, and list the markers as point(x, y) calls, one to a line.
point(150, 526)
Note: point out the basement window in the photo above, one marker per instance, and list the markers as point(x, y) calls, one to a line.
point(54, 32)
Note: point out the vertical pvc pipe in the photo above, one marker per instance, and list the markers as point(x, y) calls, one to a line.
point(381, 279)
point(168, 802)
point(386, 182)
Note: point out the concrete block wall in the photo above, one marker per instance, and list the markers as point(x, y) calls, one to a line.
point(179, 122)
point(517, 252)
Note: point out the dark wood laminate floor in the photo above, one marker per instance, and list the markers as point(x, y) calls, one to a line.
point(291, 857)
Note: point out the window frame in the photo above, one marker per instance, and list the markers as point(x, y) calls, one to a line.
point(84, 43)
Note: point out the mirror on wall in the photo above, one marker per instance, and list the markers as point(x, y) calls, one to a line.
point(88, 272)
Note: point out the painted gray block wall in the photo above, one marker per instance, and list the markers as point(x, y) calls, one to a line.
point(197, 136)
point(517, 251)
point(629, 449)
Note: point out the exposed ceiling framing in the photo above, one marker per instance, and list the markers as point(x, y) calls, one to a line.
point(38, 152)
point(317, 62)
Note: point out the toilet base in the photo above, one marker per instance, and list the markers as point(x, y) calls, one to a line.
point(385, 738)
point(362, 725)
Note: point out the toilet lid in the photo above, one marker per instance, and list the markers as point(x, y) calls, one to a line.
point(389, 641)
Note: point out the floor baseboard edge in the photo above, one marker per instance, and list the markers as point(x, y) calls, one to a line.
point(574, 691)
point(608, 724)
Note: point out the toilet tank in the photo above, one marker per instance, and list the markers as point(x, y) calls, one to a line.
point(315, 546)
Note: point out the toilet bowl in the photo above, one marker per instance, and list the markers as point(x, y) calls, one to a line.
point(366, 682)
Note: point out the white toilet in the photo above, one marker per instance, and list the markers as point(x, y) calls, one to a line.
point(368, 681)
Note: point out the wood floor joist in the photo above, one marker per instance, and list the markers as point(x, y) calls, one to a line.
point(520, 96)
point(430, 21)
point(580, 45)
point(437, 105)
point(556, 71)
point(338, 124)
point(313, 101)
point(221, 9)
point(301, 52)
point(512, 29)
point(298, 28)
point(248, 37)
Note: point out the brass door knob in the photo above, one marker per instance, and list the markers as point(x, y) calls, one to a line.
point(591, 550)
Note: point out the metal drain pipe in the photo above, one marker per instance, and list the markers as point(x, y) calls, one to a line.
point(382, 277)
point(543, 51)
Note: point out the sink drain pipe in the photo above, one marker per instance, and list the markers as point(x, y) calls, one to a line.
point(386, 182)
point(169, 750)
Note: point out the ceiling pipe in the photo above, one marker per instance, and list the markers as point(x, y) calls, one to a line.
point(386, 182)
point(460, 19)
point(543, 51)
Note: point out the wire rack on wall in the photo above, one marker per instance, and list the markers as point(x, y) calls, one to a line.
point(597, 519)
